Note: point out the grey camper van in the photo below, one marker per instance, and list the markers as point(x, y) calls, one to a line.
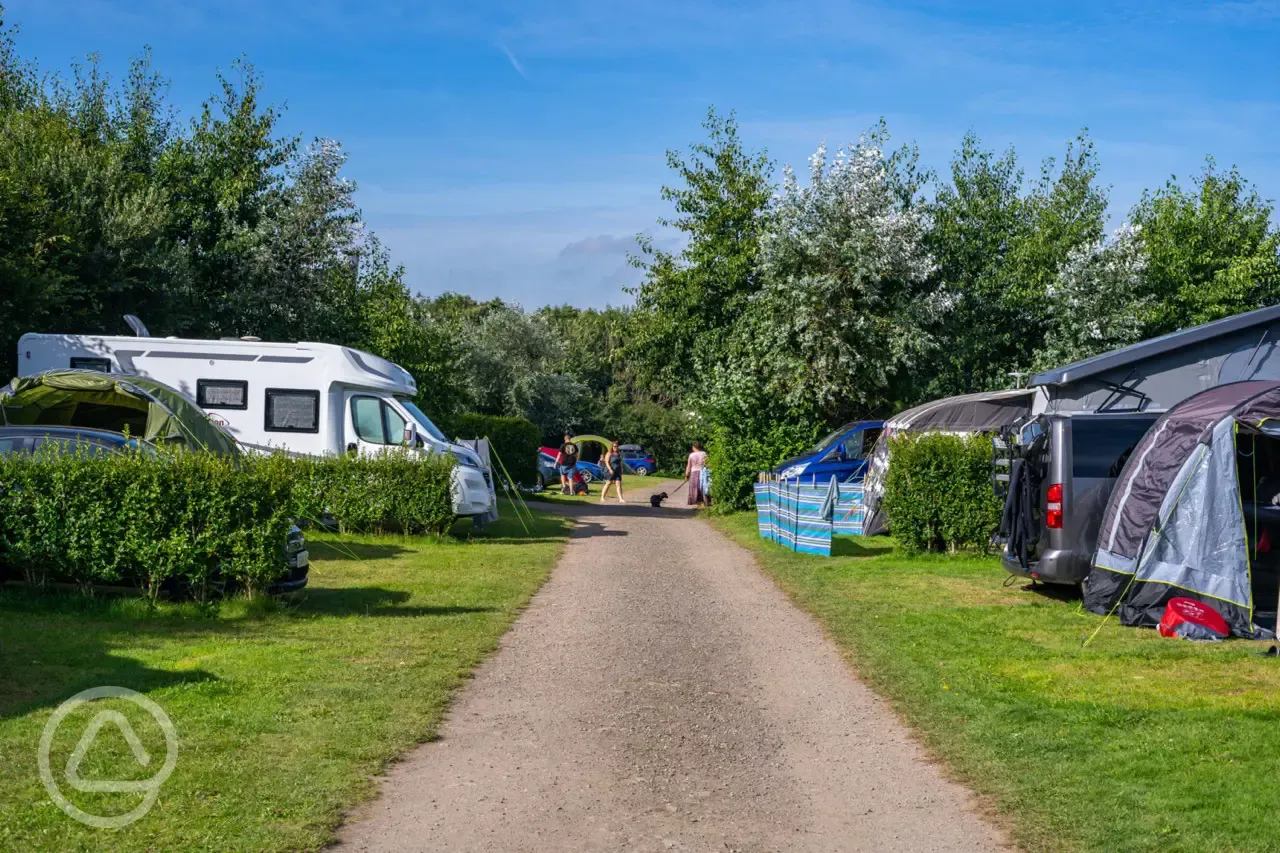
point(1057, 469)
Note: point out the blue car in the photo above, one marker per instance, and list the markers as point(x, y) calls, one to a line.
point(636, 460)
point(549, 474)
point(843, 454)
point(590, 471)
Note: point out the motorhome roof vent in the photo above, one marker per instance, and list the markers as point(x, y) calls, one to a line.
point(253, 339)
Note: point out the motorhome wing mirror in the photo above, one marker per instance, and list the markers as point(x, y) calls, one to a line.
point(409, 436)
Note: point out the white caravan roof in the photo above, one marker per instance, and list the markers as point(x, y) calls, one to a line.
point(337, 363)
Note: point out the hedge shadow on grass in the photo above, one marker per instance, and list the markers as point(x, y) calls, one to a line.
point(95, 665)
point(373, 601)
point(321, 549)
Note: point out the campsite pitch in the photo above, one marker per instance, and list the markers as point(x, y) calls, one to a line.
point(284, 710)
point(1135, 743)
point(660, 693)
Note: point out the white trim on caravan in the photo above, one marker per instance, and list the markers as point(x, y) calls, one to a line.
point(305, 398)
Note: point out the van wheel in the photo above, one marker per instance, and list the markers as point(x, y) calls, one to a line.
point(588, 476)
point(642, 471)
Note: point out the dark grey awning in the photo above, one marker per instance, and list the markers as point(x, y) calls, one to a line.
point(967, 412)
point(1154, 347)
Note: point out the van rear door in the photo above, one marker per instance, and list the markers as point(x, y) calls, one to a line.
point(1086, 455)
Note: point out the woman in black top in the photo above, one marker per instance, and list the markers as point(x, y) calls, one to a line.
point(612, 464)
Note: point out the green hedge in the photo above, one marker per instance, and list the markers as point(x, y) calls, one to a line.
point(516, 441)
point(737, 457)
point(938, 494)
point(400, 491)
point(192, 520)
point(194, 523)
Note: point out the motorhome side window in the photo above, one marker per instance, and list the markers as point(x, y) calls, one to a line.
point(291, 410)
point(102, 365)
point(222, 394)
point(376, 422)
point(395, 425)
point(366, 414)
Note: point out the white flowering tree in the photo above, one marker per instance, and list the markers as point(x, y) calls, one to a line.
point(847, 297)
point(1100, 300)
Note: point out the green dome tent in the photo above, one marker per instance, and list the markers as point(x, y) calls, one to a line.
point(88, 398)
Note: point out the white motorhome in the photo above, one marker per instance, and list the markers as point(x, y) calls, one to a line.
point(304, 398)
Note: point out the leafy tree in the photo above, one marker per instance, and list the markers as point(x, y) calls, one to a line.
point(847, 299)
point(399, 327)
point(689, 301)
point(999, 249)
point(225, 183)
point(511, 368)
point(591, 342)
point(1212, 251)
point(1099, 301)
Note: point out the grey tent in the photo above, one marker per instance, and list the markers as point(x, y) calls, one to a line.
point(1187, 515)
point(965, 414)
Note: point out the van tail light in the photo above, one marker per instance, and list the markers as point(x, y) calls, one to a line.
point(1053, 512)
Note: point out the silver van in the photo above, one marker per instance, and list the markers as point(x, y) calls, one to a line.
point(1056, 474)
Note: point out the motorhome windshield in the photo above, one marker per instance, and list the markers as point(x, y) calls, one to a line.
point(422, 419)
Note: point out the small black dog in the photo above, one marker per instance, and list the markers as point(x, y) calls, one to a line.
point(655, 501)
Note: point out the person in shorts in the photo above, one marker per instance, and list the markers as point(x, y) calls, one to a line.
point(567, 462)
point(612, 462)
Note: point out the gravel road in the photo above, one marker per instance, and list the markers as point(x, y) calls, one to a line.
point(660, 693)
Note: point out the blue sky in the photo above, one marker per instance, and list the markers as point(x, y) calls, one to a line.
point(514, 149)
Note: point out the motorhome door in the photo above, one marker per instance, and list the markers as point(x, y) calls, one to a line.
point(372, 424)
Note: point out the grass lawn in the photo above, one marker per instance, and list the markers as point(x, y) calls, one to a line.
point(283, 710)
point(1134, 743)
point(632, 487)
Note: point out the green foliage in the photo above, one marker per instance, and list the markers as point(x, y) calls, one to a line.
point(191, 523)
point(937, 493)
point(847, 298)
point(999, 250)
point(689, 302)
point(1211, 252)
point(737, 456)
point(211, 227)
point(175, 521)
point(515, 440)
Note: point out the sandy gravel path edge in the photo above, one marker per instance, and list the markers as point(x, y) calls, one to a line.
point(661, 693)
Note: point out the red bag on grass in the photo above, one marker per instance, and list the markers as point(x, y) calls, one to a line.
point(1193, 620)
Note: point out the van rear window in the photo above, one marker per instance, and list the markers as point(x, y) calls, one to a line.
point(292, 411)
point(1100, 446)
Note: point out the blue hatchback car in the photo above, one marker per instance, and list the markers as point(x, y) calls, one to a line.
point(842, 454)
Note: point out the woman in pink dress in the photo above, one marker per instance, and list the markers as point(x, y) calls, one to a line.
point(693, 473)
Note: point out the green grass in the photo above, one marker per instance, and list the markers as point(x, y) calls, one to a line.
point(1136, 742)
point(631, 487)
point(284, 710)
